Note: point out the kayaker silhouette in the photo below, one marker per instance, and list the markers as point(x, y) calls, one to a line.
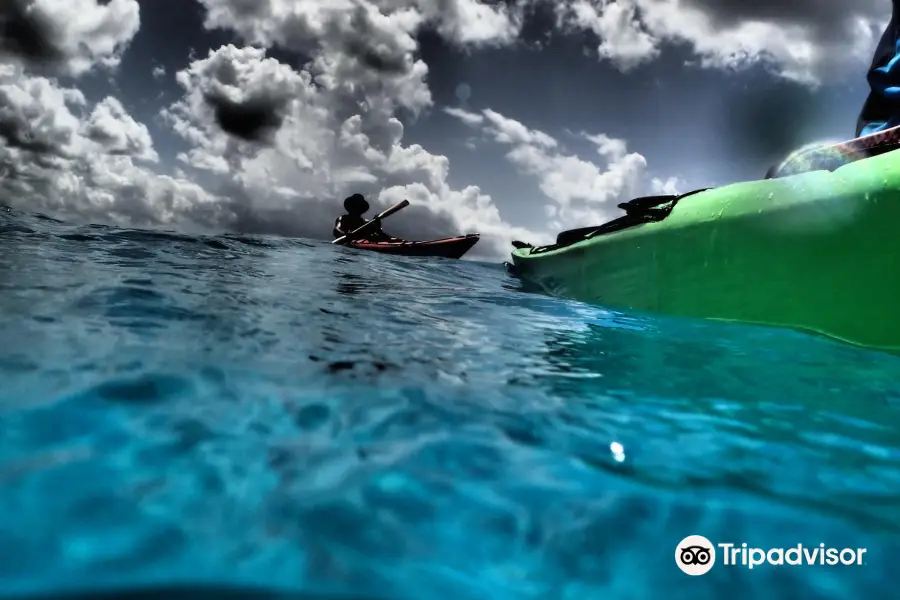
point(356, 206)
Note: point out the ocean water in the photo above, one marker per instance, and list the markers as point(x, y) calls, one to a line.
point(239, 415)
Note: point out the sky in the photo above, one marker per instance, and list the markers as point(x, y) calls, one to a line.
point(512, 118)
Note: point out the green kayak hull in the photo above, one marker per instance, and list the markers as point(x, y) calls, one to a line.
point(818, 251)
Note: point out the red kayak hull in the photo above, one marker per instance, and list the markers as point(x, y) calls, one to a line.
point(454, 247)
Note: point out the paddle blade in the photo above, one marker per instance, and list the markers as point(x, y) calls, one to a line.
point(393, 209)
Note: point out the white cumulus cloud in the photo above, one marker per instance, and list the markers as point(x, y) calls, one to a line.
point(69, 36)
point(61, 156)
point(289, 157)
point(581, 192)
point(802, 40)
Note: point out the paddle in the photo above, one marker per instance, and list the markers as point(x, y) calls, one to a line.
point(376, 219)
point(852, 150)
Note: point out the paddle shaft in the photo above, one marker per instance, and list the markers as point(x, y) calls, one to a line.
point(854, 149)
point(376, 219)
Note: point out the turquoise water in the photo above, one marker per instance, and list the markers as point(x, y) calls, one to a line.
point(269, 414)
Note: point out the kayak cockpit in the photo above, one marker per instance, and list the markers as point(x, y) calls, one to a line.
point(646, 209)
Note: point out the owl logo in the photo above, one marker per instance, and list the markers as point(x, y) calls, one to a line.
point(695, 555)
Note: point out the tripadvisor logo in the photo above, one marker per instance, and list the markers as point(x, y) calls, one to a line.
point(696, 555)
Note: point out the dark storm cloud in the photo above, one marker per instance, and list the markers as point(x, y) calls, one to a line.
point(251, 109)
point(255, 120)
point(28, 34)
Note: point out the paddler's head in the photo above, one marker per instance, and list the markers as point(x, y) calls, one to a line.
point(356, 204)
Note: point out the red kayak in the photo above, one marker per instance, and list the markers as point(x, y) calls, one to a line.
point(454, 247)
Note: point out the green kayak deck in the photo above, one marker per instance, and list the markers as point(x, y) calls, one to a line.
point(818, 251)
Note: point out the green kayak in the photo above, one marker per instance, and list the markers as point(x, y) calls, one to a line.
point(818, 251)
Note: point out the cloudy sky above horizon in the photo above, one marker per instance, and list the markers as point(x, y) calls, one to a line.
point(513, 118)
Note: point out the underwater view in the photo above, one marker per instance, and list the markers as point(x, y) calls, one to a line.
point(238, 416)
